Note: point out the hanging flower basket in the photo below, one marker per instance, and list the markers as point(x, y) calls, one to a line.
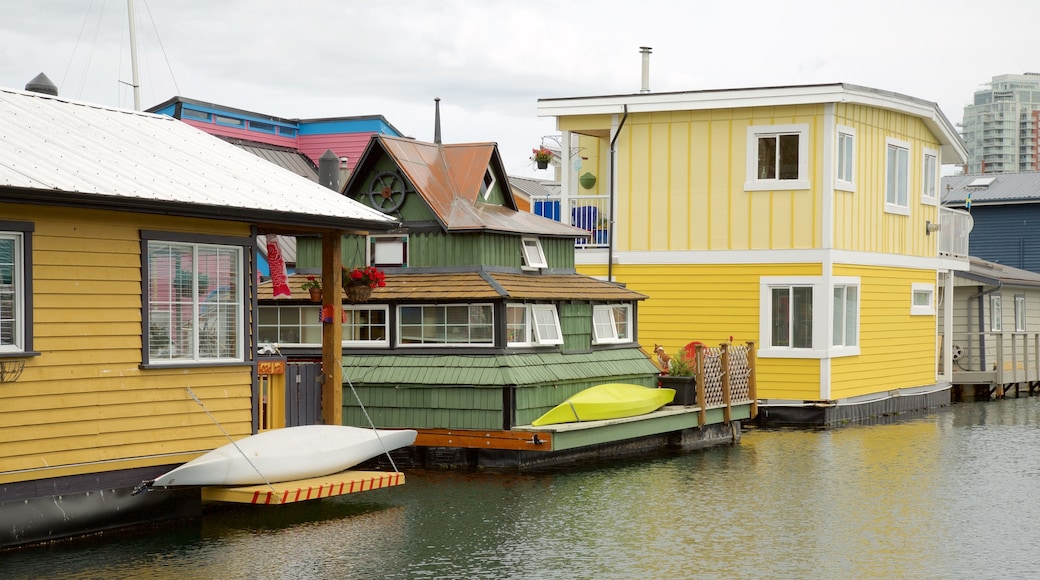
point(358, 293)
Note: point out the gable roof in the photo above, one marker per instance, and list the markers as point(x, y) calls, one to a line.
point(449, 179)
point(953, 148)
point(991, 189)
point(59, 151)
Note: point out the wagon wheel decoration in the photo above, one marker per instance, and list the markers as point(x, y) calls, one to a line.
point(388, 192)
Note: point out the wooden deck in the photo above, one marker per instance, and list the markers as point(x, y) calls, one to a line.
point(305, 489)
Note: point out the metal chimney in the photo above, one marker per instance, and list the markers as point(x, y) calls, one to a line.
point(645, 51)
point(42, 84)
point(328, 170)
point(437, 120)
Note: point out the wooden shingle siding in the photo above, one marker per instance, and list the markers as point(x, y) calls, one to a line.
point(85, 399)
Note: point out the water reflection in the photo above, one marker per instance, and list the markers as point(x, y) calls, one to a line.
point(953, 494)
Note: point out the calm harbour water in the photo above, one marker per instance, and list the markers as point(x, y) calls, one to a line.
point(952, 494)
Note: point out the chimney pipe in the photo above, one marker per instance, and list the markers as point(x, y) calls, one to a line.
point(42, 84)
point(328, 170)
point(437, 120)
point(645, 51)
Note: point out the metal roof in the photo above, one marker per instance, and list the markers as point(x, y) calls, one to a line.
point(991, 273)
point(1001, 188)
point(59, 151)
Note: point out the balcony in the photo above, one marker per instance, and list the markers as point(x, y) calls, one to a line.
point(588, 212)
point(954, 227)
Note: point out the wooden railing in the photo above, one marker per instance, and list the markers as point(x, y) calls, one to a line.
point(1001, 358)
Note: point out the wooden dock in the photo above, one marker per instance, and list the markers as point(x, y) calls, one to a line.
point(305, 489)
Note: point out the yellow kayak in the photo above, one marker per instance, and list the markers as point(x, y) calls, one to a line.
point(608, 401)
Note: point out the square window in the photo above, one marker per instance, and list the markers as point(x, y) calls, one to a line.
point(922, 299)
point(777, 157)
point(388, 251)
point(611, 323)
point(533, 255)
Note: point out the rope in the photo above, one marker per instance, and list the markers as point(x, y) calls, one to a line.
point(371, 424)
point(221, 427)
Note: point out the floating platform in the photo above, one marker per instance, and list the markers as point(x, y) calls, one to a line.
point(305, 489)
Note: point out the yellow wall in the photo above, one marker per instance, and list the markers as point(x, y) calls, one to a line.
point(860, 224)
point(897, 349)
point(84, 405)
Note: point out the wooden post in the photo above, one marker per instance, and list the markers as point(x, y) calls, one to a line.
point(752, 387)
point(724, 359)
point(332, 332)
point(702, 414)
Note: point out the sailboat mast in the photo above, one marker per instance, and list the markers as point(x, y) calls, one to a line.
point(133, 54)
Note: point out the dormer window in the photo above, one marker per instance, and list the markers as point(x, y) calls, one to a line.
point(487, 184)
point(534, 257)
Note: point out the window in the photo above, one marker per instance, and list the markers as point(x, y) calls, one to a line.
point(487, 184)
point(791, 317)
point(846, 159)
point(846, 315)
point(388, 251)
point(454, 324)
point(611, 323)
point(289, 325)
point(930, 171)
point(995, 322)
point(301, 325)
point(15, 287)
point(897, 176)
point(533, 255)
point(194, 300)
point(532, 325)
point(1020, 312)
point(777, 157)
point(922, 299)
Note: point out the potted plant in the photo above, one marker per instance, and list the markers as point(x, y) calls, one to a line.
point(359, 282)
point(313, 285)
point(680, 375)
point(542, 156)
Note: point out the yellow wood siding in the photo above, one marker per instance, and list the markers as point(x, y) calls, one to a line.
point(711, 303)
point(860, 222)
point(681, 183)
point(84, 405)
point(897, 350)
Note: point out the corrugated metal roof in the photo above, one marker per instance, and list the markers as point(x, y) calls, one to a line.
point(284, 157)
point(1004, 188)
point(87, 154)
point(472, 286)
point(535, 188)
point(992, 272)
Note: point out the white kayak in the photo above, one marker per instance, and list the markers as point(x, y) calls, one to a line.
point(286, 455)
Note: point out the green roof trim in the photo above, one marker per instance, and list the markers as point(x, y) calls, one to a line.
point(521, 370)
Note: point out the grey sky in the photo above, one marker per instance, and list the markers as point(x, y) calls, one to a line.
point(490, 60)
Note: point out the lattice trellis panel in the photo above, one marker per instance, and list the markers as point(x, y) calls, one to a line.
point(739, 375)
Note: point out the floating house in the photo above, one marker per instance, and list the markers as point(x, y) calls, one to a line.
point(127, 290)
point(805, 219)
point(483, 324)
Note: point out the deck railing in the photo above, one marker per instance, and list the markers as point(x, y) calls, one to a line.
point(954, 227)
point(588, 212)
point(1002, 358)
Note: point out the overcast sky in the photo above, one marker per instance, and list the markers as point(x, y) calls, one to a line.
point(491, 60)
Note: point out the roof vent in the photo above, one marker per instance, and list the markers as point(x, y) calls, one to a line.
point(42, 84)
point(328, 170)
point(645, 51)
point(437, 120)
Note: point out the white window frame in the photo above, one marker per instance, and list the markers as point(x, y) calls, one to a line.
point(922, 290)
point(996, 322)
point(541, 325)
point(897, 200)
point(388, 251)
point(309, 317)
point(425, 342)
point(189, 321)
point(546, 324)
point(14, 293)
point(533, 255)
point(823, 314)
point(845, 159)
point(487, 183)
point(606, 324)
point(756, 132)
point(930, 177)
point(841, 341)
point(1020, 313)
point(524, 327)
point(352, 312)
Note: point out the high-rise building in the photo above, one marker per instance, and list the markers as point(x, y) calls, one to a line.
point(1002, 127)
